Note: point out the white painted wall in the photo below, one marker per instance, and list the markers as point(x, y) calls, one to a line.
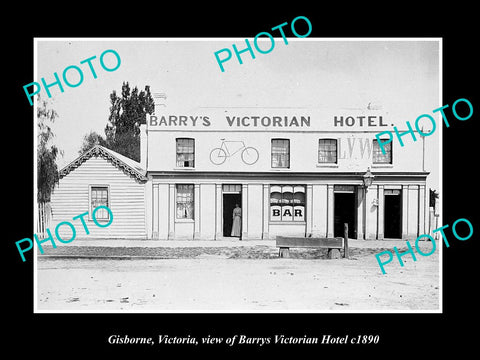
point(354, 152)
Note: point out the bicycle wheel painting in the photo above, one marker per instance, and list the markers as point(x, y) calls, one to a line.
point(250, 155)
point(218, 156)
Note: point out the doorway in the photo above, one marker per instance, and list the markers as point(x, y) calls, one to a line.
point(344, 212)
point(229, 201)
point(393, 214)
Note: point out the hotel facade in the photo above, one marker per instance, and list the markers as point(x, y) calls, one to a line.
point(298, 172)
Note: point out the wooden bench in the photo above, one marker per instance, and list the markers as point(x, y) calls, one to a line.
point(332, 244)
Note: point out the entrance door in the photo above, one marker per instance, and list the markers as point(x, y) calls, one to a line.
point(229, 201)
point(393, 214)
point(232, 195)
point(344, 211)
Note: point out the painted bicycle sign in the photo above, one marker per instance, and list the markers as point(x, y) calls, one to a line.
point(248, 154)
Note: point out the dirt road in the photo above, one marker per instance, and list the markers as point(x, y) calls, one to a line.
point(213, 282)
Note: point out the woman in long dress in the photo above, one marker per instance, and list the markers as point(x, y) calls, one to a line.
point(237, 221)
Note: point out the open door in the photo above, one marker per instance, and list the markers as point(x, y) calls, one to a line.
point(393, 214)
point(229, 201)
point(345, 211)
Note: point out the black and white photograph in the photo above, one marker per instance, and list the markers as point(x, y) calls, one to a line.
point(266, 185)
point(226, 180)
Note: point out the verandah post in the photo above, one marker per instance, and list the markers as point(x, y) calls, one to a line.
point(345, 238)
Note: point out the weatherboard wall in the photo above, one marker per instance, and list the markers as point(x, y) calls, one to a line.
point(126, 198)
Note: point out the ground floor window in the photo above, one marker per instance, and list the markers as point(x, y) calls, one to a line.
point(99, 197)
point(287, 203)
point(185, 201)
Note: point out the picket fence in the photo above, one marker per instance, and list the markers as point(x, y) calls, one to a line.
point(44, 219)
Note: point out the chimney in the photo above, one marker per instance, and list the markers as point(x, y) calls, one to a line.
point(143, 146)
point(160, 100)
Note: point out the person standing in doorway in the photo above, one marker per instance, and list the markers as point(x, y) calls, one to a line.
point(237, 221)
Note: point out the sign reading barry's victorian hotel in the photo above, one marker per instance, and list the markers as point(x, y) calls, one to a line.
point(289, 171)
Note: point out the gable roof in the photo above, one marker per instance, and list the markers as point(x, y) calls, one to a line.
point(127, 165)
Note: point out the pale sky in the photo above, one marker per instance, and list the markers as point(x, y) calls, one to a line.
point(402, 77)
